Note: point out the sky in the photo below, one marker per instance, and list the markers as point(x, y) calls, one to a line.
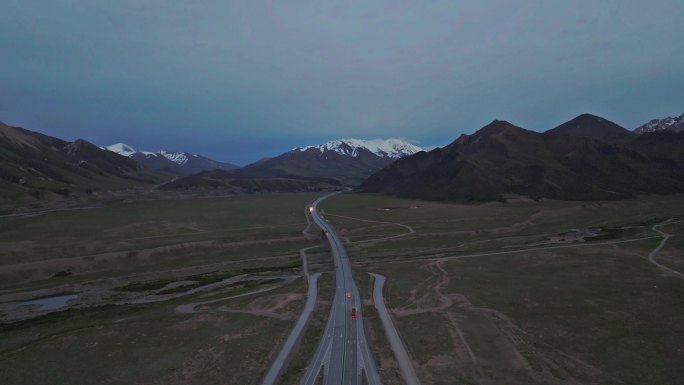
point(240, 80)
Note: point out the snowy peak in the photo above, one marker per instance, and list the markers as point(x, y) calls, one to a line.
point(170, 161)
point(121, 149)
point(177, 157)
point(393, 148)
point(348, 161)
point(675, 124)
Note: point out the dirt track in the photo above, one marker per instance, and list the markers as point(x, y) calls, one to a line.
point(654, 254)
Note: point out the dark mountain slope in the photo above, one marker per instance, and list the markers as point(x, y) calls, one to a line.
point(35, 164)
point(592, 127)
point(86, 154)
point(349, 161)
point(665, 145)
point(502, 159)
point(313, 163)
point(155, 162)
point(228, 182)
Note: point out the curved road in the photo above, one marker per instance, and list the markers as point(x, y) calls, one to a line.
point(398, 348)
point(342, 356)
point(282, 357)
point(653, 254)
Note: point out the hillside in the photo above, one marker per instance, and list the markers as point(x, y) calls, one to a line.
point(501, 160)
point(348, 161)
point(227, 182)
point(34, 165)
point(592, 127)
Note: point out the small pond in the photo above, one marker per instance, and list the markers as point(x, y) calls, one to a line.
point(52, 302)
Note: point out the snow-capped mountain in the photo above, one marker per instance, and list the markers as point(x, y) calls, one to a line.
point(349, 161)
point(177, 157)
point(170, 161)
point(386, 148)
point(121, 149)
point(675, 124)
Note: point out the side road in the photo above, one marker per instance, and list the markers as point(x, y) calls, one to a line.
point(654, 254)
point(397, 345)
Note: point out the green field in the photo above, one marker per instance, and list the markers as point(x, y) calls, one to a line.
point(166, 234)
point(132, 264)
point(505, 293)
point(147, 344)
point(517, 293)
point(146, 224)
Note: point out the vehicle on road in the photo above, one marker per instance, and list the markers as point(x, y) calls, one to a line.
point(349, 294)
point(353, 313)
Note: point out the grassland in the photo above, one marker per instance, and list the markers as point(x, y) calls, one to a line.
point(133, 264)
point(517, 293)
point(147, 344)
point(124, 226)
point(526, 292)
point(165, 234)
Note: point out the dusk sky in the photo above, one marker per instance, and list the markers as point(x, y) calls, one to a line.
point(239, 80)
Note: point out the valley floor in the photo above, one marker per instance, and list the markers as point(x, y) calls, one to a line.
point(174, 291)
point(524, 292)
point(202, 291)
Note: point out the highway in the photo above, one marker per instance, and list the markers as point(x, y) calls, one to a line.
point(342, 355)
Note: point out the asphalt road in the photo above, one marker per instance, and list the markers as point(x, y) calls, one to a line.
point(277, 367)
point(398, 348)
point(342, 355)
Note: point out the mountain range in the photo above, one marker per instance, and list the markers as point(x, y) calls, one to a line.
point(675, 124)
point(587, 158)
point(179, 163)
point(41, 166)
point(349, 161)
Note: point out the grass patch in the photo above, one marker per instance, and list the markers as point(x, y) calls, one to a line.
point(120, 227)
point(591, 303)
point(145, 286)
point(142, 344)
